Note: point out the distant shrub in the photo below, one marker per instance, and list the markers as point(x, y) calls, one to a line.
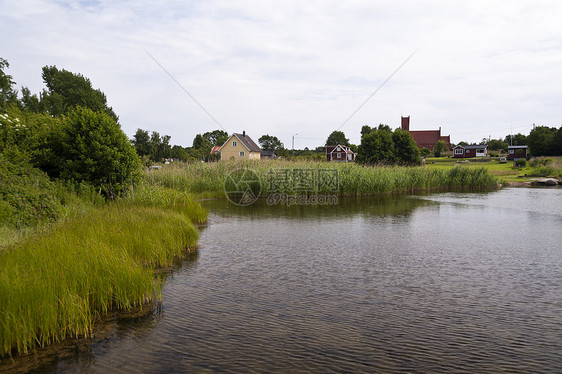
point(521, 163)
point(540, 162)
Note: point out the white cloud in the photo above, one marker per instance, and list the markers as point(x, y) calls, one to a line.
point(287, 67)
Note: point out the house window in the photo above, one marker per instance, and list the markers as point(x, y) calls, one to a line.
point(241, 153)
point(234, 144)
point(511, 151)
point(459, 151)
point(339, 155)
point(349, 156)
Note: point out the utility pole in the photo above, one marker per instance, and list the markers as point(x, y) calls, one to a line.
point(293, 147)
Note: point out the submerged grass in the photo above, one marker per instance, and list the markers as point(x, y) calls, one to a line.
point(53, 285)
point(207, 180)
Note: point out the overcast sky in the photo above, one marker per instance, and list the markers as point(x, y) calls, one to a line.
point(481, 68)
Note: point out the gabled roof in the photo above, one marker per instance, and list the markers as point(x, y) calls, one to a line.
point(215, 149)
point(246, 141)
point(480, 146)
point(344, 148)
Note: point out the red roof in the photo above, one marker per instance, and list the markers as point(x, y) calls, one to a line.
point(215, 149)
point(425, 138)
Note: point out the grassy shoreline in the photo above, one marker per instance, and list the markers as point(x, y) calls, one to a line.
point(54, 285)
point(508, 174)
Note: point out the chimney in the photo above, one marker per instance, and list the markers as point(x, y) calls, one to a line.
point(244, 133)
point(406, 123)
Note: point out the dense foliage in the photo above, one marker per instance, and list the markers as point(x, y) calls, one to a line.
point(94, 149)
point(68, 132)
point(337, 137)
point(27, 195)
point(270, 143)
point(66, 91)
point(545, 141)
point(382, 146)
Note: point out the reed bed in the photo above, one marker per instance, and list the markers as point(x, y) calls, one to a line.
point(208, 179)
point(53, 286)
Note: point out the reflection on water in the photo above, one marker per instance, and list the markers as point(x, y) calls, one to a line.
point(435, 283)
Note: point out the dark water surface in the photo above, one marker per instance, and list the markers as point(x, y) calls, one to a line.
point(447, 282)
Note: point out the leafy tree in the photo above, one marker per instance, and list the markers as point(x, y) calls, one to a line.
point(384, 127)
point(160, 146)
point(201, 142)
point(540, 140)
point(425, 152)
point(141, 141)
point(518, 139)
point(556, 145)
point(439, 148)
point(66, 91)
point(7, 94)
point(31, 102)
point(179, 152)
point(216, 137)
point(337, 137)
point(201, 147)
point(93, 148)
point(270, 143)
point(497, 144)
point(406, 150)
point(366, 129)
point(376, 147)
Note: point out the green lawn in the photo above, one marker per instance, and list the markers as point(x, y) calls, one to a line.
point(505, 172)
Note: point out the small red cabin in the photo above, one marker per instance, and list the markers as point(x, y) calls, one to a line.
point(340, 153)
point(516, 151)
point(466, 151)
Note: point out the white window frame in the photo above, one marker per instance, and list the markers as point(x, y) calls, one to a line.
point(349, 156)
point(511, 151)
point(339, 155)
point(234, 143)
point(459, 151)
point(241, 153)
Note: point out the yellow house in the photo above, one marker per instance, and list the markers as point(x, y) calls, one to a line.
point(240, 147)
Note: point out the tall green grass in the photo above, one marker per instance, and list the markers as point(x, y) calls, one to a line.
point(353, 179)
point(53, 285)
point(30, 201)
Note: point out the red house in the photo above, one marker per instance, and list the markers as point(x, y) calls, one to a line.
point(466, 151)
point(426, 138)
point(516, 151)
point(340, 153)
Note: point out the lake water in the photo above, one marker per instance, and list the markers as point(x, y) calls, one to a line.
point(450, 282)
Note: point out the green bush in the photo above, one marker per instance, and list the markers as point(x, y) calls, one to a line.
point(540, 162)
point(27, 196)
point(521, 163)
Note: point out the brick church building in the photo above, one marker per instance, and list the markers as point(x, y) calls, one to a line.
point(426, 138)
